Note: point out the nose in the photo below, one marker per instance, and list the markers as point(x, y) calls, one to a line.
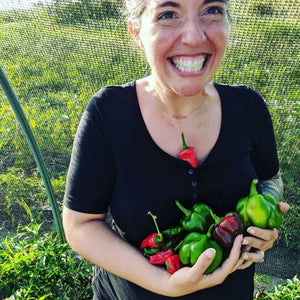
point(193, 33)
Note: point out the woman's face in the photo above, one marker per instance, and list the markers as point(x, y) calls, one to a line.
point(184, 42)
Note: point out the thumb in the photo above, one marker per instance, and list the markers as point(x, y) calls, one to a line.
point(203, 262)
point(284, 207)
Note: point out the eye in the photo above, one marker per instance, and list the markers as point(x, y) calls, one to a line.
point(215, 10)
point(167, 15)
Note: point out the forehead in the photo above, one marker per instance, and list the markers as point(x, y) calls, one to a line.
point(178, 3)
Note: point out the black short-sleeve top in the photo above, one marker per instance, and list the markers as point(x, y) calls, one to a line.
point(115, 163)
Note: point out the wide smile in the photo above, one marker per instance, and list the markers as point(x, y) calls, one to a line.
point(188, 64)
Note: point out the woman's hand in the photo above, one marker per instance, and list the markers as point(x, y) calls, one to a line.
point(260, 239)
point(190, 279)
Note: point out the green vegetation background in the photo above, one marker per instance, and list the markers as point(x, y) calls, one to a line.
point(57, 57)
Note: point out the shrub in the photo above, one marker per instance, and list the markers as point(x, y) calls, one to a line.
point(19, 190)
point(39, 266)
point(73, 12)
point(289, 290)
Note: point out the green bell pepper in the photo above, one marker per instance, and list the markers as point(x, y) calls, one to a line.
point(196, 243)
point(198, 219)
point(259, 210)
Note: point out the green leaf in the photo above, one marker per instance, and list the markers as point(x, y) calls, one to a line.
point(7, 245)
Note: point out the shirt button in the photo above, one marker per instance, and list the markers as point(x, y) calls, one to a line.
point(194, 183)
point(191, 172)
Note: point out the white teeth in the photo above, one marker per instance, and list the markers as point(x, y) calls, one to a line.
point(189, 65)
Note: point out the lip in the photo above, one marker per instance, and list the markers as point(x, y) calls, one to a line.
point(187, 74)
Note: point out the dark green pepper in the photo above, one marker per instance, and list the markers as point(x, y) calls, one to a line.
point(196, 243)
point(173, 231)
point(198, 219)
point(148, 251)
point(259, 210)
point(169, 242)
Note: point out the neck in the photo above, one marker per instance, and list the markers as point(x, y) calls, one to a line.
point(177, 106)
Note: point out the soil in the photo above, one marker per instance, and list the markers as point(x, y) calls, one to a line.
point(280, 262)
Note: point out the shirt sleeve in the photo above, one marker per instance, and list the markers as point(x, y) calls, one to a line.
point(92, 171)
point(264, 156)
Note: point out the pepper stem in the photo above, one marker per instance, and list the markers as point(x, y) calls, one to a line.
point(186, 211)
point(155, 223)
point(253, 190)
point(208, 234)
point(176, 248)
point(183, 142)
point(215, 217)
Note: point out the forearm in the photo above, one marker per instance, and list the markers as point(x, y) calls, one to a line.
point(96, 242)
point(273, 187)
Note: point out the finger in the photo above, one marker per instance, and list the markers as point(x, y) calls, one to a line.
point(257, 256)
point(283, 206)
point(246, 264)
point(264, 234)
point(240, 262)
point(233, 258)
point(202, 263)
point(263, 240)
point(220, 274)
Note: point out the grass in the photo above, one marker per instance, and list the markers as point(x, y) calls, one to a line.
point(36, 265)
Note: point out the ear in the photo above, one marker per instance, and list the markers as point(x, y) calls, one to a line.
point(135, 34)
point(131, 29)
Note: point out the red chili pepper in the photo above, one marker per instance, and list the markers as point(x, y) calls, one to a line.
point(259, 294)
point(152, 240)
point(173, 263)
point(160, 257)
point(188, 154)
point(155, 239)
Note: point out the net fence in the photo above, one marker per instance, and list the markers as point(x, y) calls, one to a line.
point(58, 53)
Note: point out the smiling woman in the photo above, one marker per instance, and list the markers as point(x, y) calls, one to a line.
point(126, 158)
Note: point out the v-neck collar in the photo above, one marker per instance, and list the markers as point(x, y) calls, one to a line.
point(171, 158)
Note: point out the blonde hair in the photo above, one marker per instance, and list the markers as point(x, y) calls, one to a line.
point(134, 10)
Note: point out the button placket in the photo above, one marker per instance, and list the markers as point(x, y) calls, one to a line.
point(194, 180)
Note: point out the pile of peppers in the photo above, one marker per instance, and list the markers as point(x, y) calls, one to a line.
point(200, 228)
point(160, 247)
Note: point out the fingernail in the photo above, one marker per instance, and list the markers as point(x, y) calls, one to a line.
point(210, 253)
point(245, 242)
point(245, 256)
point(251, 230)
point(278, 232)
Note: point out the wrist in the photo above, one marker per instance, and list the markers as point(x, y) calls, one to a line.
point(164, 283)
point(273, 187)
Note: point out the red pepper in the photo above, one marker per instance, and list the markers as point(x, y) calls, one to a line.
point(152, 240)
point(160, 257)
point(259, 294)
point(173, 263)
point(227, 229)
point(188, 154)
point(155, 239)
